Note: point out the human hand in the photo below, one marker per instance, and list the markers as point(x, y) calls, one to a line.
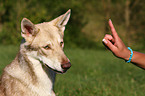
point(115, 44)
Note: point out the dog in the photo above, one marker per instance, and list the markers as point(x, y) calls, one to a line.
point(41, 56)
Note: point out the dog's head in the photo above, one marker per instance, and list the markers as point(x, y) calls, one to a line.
point(44, 42)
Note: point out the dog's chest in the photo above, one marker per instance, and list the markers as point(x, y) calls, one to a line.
point(44, 81)
point(37, 84)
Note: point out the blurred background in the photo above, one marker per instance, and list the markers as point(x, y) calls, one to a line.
point(95, 71)
point(88, 23)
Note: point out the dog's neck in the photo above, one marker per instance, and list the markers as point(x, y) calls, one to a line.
point(41, 77)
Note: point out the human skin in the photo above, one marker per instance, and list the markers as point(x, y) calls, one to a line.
point(117, 47)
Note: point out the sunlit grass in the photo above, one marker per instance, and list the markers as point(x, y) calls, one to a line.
point(93, 73)
point(99, 73)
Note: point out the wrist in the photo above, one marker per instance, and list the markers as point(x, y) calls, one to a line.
point(131, 54)
point(127, 54)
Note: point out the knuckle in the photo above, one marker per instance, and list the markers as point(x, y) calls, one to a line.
point(107, 36)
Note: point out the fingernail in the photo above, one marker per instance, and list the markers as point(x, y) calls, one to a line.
point(104, 41)
point(110, 20)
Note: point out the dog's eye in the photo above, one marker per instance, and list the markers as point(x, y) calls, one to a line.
point(61, 44)
point(47, 47)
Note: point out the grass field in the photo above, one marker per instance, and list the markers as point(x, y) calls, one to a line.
point(93, 73)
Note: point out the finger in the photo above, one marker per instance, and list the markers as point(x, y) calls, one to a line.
point(109, 45)
point(114, 33)
point(109, 37)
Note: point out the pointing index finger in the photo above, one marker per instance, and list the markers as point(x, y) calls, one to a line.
point(114, 33)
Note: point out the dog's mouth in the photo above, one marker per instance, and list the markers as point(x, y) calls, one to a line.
point(61, 72)
point(47, 66)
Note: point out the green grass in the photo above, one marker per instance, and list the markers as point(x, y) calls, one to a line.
point(7, 54)
point(93, 73)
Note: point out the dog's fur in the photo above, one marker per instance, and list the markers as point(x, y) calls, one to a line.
point(32, 72)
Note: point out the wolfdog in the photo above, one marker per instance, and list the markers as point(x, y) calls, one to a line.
point(41, 56)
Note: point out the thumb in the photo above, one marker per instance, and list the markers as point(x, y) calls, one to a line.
point(109, 45)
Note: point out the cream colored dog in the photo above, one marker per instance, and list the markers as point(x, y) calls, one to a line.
point(32, 72)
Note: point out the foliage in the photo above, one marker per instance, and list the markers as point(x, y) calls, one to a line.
point(88, 22)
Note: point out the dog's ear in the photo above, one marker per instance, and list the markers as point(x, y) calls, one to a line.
point(28, 29)
point(62, 20)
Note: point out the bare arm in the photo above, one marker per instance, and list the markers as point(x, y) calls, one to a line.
point(118, 48)
point(138, 59)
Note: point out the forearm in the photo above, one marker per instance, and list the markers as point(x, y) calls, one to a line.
point(138, 59)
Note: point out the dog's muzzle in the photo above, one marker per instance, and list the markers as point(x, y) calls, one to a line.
point(65, 66)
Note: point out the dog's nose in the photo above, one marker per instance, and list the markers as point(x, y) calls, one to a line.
point(66, 65)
